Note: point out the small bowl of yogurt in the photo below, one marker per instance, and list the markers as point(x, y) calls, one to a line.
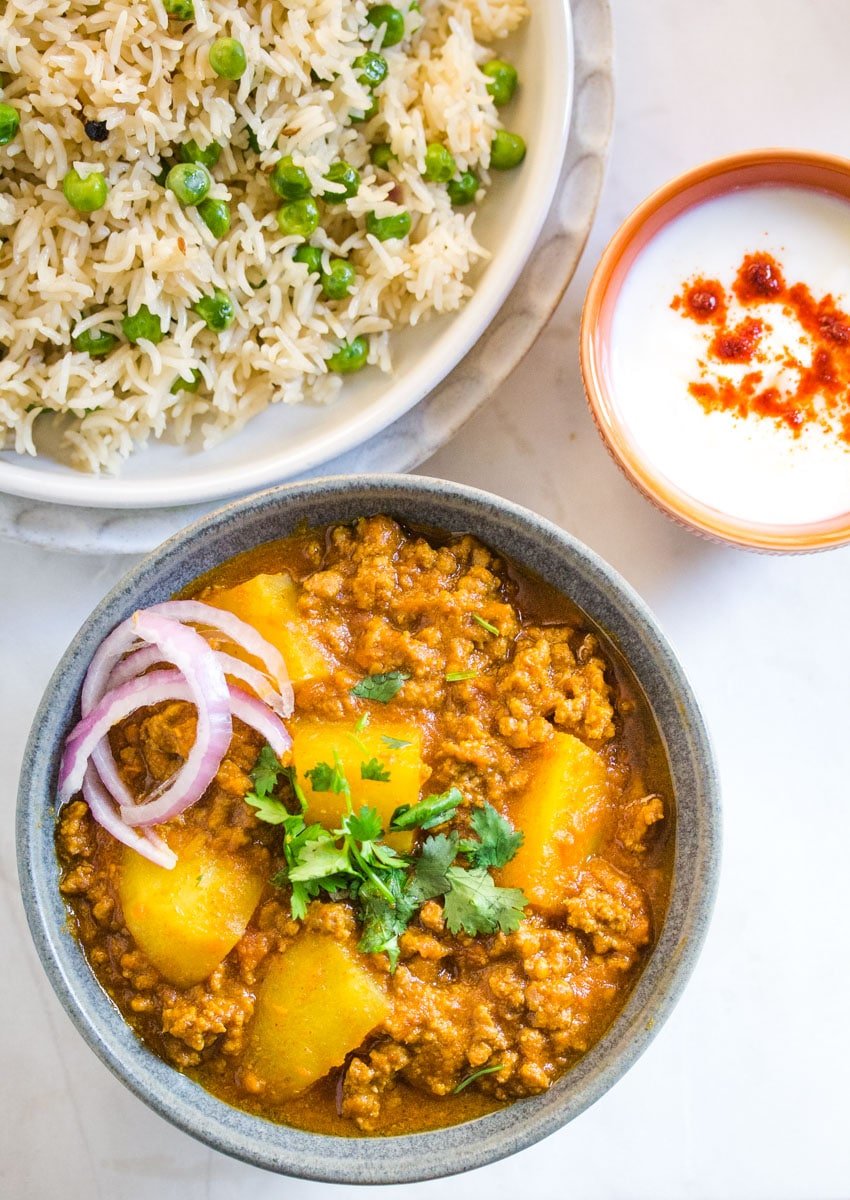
point(715, 349)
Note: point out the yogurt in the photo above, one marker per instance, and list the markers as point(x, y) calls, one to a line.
point(755, 467)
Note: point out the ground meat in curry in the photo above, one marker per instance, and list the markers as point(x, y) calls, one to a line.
point(376, 597)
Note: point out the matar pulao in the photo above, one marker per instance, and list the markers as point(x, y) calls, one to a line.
point(207, 207)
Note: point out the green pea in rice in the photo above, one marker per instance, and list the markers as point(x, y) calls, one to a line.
point(148, 77)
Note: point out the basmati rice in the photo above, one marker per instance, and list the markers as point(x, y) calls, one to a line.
point(124, 62)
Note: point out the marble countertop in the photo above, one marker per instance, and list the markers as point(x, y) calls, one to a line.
point(743, 1093)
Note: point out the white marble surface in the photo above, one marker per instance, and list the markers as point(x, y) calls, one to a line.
point(744, 1092)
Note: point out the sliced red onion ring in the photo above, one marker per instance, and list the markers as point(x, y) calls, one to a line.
point(196, 665)
point(102, 808)
point(95, 686)
point(109, 652)
point(135, 664)
point(192, 656)
point(156, 688)
point(139, 661)
point(249, 709)
point(142, 660)
point(114, 707)
point(107, 769)
point(113, 648)
point(113, 689)
point(261, 718)
point(237, 631)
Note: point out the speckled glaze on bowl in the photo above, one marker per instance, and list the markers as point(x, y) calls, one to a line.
point(609, 603)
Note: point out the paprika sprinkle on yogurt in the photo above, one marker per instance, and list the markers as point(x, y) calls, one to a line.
point(800, 381)
point(725, 357)
point(703, 300)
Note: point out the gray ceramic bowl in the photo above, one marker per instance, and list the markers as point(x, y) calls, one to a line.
point(609, 602)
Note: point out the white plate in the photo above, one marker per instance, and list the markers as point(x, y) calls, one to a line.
point(285, 441)
point(435, 419)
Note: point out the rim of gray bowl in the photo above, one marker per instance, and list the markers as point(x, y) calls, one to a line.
point(621, 615)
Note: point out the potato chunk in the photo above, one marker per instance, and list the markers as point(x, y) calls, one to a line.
point(316, 741)
point(269, 603)
point(562, 814)
point(316, 1004)
point(188, 919)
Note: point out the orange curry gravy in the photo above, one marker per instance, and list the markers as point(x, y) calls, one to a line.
point(376, 597)
point(807, 384)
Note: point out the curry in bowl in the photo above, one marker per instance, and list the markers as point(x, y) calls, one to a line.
point(368, 832)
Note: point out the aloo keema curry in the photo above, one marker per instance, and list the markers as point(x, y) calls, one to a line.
point(368, 833)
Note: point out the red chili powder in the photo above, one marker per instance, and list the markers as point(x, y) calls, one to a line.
point(759, 278)
point(737, 345)
point(703, 300)
point(817, 394)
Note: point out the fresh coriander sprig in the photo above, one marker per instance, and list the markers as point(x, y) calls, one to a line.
point(498, 841)
point(325, 777)
point(264, 776)
point(381, 687)
point(392, 742)
point(374, 769)
point(475, 904)
point(297, 834)
point(387, 889)
point(267, 770)
point(479, 1074)
point(431, 811)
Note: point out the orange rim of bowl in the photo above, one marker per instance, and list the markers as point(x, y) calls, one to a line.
point(757, 168)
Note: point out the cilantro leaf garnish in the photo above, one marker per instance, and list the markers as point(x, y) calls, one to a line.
point(485, 624)
point(430, 873)
point(387, 888)
point(326, 778)
point(380, 687)
point(297, 833)
point(393, 743)
point(476, 905)
point(388, 857)
point(364, 826)
point(362, 722)
point(433, 810)
point(499, 841)
point(265, 772)
point(374, 769)
point(264, 776)
point(473, 1075)
point(297, 790)
point(268, 808)
point(384, 921)
point(320, 859)
point(322, 777)
point(302, 894)
point(460, 676)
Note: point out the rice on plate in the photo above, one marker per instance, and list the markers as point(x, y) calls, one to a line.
point(208, 207)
